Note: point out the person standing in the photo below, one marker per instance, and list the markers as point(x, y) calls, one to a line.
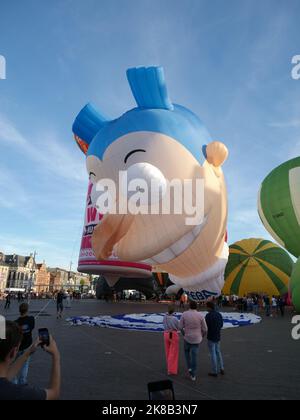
point(171, 339)
point(10, 366)
point(7, 301)
point(26, 324)
point(182, 301)
point(255, 304)
point(281, 306)
point(214, 322)
point(194, 328)
point(60, 303)
point(68, 300)
point(267, 305)
point(274, 306)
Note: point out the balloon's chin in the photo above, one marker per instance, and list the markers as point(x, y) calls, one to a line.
point(206, 284)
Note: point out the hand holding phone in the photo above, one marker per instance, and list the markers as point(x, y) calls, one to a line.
point(44, 337)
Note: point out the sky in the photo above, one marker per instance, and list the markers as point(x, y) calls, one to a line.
point(227, 61)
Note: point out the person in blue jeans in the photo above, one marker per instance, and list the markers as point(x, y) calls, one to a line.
point(214, 322)
point(26, 324)
point(193, 326)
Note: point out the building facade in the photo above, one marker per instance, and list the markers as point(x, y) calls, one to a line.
point(80, 280)
point(68, 280)
point(58, 278)
point(42, 283)
point(4, 272)
point(22, 271)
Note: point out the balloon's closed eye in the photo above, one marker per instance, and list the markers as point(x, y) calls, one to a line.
point(132, 152)
point(92, 173)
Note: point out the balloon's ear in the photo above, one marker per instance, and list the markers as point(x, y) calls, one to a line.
point(86, 125)
point(216, 154)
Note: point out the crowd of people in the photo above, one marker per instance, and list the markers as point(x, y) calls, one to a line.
point(257, 304)
point(194, 327)
point(21, 296)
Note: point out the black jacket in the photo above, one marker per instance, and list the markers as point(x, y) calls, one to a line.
point(214, 321)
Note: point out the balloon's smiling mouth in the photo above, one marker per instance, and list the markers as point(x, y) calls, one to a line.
point(178, 247)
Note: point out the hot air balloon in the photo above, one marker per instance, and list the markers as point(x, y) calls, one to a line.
point(159, 143)
point(112, 268)
point(257, 266)
point(295, 285)
point(279, 210)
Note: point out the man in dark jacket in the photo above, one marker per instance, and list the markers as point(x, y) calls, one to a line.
point(26, 324)
point(214, 321)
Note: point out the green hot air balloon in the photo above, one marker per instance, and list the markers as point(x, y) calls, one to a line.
point(279, 210)
point(295, 285)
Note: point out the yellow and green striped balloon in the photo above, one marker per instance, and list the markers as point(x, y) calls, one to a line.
point(257, 266)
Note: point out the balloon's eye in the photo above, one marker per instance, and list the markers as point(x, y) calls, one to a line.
point(92, 175)
point(132, 152)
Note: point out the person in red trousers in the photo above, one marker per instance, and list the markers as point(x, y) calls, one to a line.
point(171, 338)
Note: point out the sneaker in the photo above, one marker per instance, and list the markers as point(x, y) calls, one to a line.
point(222, 371)
point(193, 378)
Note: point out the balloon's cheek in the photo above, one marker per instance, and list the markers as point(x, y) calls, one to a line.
point(108, 233)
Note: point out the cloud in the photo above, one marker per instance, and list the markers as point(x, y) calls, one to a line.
point(19, 244)
point(13, 194)
point(294, 151)
point(53, 255)
point(49, 154)
point(285, 124)
point(9, 134)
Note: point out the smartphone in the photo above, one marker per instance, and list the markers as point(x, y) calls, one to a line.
point(44, 336)
point(162, 390)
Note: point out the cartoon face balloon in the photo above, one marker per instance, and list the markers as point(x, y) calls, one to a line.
point(158, 145)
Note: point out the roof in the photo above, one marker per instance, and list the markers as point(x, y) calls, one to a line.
point(17, 260)
point(3, 264)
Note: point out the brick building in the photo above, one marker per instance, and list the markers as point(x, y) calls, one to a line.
point(58, 278)
point(42, 283)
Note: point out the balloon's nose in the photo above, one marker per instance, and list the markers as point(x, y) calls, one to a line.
point(147, 179)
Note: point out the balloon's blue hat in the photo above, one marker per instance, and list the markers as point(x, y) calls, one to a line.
point(154, 113)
